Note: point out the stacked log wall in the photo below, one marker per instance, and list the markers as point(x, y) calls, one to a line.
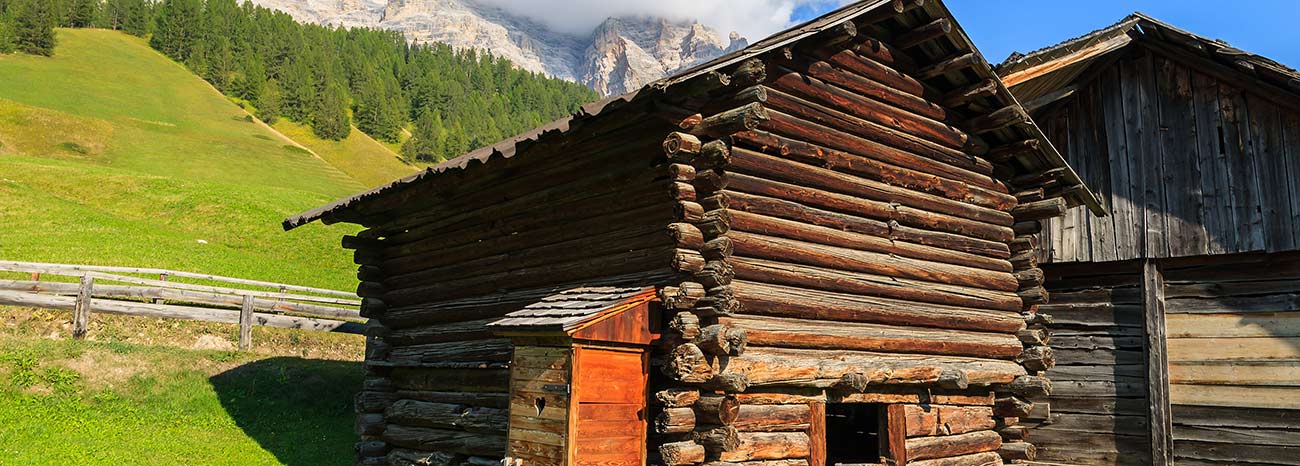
point(868, 258)
point(437, 388)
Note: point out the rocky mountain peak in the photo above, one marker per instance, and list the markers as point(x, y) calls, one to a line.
point(621, 54)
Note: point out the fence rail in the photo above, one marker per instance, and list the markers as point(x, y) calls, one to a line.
point(306, 308)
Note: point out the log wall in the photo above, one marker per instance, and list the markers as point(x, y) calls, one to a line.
point(462, 256)
point(1188, 164)
point(868, 255)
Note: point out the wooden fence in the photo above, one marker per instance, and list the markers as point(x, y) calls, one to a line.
point(119, 290)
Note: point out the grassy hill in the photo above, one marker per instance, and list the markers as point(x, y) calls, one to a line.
point(112, 154)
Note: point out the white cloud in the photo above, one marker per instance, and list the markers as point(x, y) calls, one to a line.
point(754, 19)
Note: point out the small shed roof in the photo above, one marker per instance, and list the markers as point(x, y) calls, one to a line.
point(1041, 72)
point(571, 309)
point(1046, 158)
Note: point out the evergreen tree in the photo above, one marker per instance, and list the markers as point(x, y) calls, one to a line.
point(269, 103)
point(330, 117)
point(34, 22)
point(177, 29)
point(7, 38)
point(83, 13)
point(426, 142)
point(137, 17)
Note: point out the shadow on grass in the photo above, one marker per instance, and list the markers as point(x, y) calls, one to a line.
point(299, 410)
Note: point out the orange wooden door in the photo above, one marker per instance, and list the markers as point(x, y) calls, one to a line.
point(610, 388)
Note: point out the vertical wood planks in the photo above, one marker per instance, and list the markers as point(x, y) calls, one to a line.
point(246, 324)
point(1291, 145)
point(1157, 364)
point(1275, 202)
point(81, 313)
point(1220, 223)
point(1122, 204)
point(1185, 234)
point(1243, 173)
point(1155, 244)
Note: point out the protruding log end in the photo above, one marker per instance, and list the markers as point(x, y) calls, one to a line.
point(683, 296)
point(687, 363)
point(676, 397)
point(729, 383)
point(682, 147)
point(1037, 358)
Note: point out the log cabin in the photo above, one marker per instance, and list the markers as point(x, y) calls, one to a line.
point(814, 251)
point(1176, 321)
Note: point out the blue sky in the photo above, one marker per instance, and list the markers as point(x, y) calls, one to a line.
point(1266, 27)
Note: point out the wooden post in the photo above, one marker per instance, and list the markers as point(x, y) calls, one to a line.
point(1157, 360)
point(36, 276)
point(81, 311)
point(246, 324)
point(893, 435)
point(817, 433)
point(163, 277)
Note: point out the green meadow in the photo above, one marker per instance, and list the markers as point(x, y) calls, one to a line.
point(111, 154)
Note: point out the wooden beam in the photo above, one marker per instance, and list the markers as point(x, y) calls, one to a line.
point(1157, 360)
point(957, 98)
point(949, 65)
point(923, 33)
point(893, 435)
point(1226, 73)
point(817, 434)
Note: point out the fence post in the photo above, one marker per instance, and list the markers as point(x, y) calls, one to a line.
point(36, 276)
point(162, 277)
point(246, 324)
point(81, 312)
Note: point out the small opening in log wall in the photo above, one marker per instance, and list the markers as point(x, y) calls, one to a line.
point(853, 434)
point(540, 404)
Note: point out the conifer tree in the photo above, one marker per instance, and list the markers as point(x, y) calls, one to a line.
point(426, 142)
point(83, 13)
point(269, 103)
point(330, 117)
point(6, 33)
point(34, 22)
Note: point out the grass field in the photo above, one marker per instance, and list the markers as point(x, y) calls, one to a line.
point(111, 154)
point(123, 400)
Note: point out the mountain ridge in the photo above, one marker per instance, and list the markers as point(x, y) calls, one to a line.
point(621, 54)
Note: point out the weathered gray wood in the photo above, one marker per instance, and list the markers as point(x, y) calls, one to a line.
point(76, 270)
point(176, 312)
point(246, 324)
point(1157, 361)
point(1243, 173)
point(1267, 140)
point(81, 313)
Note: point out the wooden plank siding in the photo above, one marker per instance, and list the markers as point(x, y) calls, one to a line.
point(1097, 412)
point(1234, 357)
point(1187, 165)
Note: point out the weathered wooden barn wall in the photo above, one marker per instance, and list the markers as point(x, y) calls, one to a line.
point(1233, 326)
point(1097, 412)
point(1233, 370)
point(1188, 164)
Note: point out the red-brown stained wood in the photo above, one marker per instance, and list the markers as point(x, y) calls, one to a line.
point(773, 418)
point(768, 446)
point(877, 168)
point(932, 420)
point(922, 448)
point(799, 333)
point(783, 301)
point(787, 250)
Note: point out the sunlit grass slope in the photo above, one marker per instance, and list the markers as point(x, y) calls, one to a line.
point(112, 154)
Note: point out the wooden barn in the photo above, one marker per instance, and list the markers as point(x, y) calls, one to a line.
point(816, 250)
point(1177, 318)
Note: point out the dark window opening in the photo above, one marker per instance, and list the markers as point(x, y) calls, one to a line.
point(853, 434)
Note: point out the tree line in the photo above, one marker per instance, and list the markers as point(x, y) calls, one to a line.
point(441, 102)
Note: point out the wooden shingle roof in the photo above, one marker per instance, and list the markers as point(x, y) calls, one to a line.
point(570, 309)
